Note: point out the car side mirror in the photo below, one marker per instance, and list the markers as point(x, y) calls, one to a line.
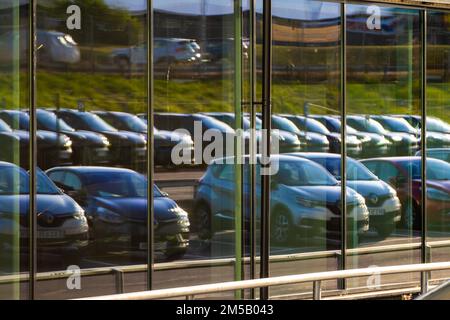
point(164, 194)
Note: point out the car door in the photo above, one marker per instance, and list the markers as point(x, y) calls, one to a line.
point(223, 193)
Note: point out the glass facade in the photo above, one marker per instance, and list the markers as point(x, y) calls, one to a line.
point(134, 154)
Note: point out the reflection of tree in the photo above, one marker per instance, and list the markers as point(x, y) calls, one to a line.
point(100, 23)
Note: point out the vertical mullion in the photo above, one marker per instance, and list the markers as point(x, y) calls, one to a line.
point(423, 102)
point(265, 163)
point(343, 103)
point(252, 149)
point(32, 245)
point(238, 143)
point(150, 151)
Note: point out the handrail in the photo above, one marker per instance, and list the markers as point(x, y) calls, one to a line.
point(209, 263)
point(316, 278)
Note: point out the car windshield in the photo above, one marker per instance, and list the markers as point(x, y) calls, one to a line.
point(355, 170)
point(436, 169)
point(94, 122)
point(336, 123)
point(370, 125)
point(49, 121)
point(132, 123)
point(303, 173)
point(18, 120)
point(118, 185)
point(211, 123)
point(397, 125)
point(284, 124)
point(4, 127)
point(437, 125)
point(315, 126)
point(15, 180)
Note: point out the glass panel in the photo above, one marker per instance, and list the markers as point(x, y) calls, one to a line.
point(305, 195)
point(91, 85)
point(438, 137)
point(383, 101)
point(14, 144)
point(197, 90)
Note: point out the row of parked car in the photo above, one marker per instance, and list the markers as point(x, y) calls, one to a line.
point(95, 208)
point(68, 136)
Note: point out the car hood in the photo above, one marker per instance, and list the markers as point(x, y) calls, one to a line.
point(370, 188)
point(57, 204)
point(328, 194)
point(136, 208)
point(313, 137)
point(43, 137)
point(86, 138)
point(124, 138)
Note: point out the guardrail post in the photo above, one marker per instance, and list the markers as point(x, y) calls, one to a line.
point(119, 280)
point(190, 297)
point(424, 275)
point(317, 290)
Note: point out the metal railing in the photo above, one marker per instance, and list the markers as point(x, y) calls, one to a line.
point(119, 271)
point(316, 278)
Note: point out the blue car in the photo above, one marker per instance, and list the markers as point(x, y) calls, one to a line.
point(304, 198)
point(381, 199)
point(115, 201)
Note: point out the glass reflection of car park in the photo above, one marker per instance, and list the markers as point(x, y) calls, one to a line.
point(218, 50)
point(288, 142)
point(304, 198)
point(165, 50)
point(354, 145)
point(381, 199)
point(404, 174)
point(313, 141)
point(115, 201)
point(54, 47)
point(370, 143)
point(62, 226)
point(164, 141)
point(127, 148)
point(89, 148)
point(400, 143)
point(438, 131)
point(437, 153)
point(52, 148)
point(186, 122)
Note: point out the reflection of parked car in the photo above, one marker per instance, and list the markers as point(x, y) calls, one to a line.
point(189, 122)
point(165, 50)
point(288, 142)
point(89, 147)
point(53, 149)
point(54, 47)
point(127, 148)
point(62, 227)
point(438, 131)
point(164, 141)
point(305, 124)
point(400, 143)
point(437, 153)
point(304, 198)
point(381, 199)
point(404, 174)
point(370, 143)
point(218, 50)
point(314, 141)
point(115, 201)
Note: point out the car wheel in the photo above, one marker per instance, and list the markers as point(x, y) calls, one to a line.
point(281, 228)
point(204, 222)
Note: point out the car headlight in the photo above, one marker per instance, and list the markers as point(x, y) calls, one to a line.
point(179, 211)
point(309, 203)
point(67, 143)
point(106, 141)
point(109, 216)
point(436, 194)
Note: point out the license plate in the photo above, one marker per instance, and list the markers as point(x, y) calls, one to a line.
point(50, 234)
point(102, 152)
point(376, 212)
point(141, 152)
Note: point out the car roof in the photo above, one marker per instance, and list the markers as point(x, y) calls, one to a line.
point(8, 164)
point(316, 155)
point(90, 169)
point(394, 159)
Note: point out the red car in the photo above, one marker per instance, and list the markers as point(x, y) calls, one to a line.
point(404, 174)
